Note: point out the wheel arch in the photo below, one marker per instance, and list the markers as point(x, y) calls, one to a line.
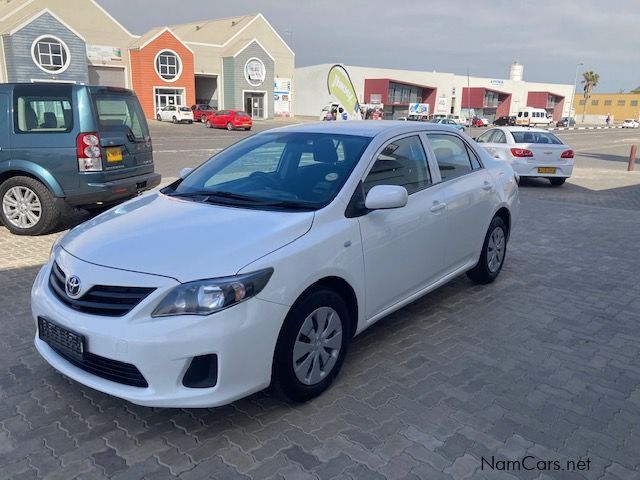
point(23, 168)
point(342, 288)
point(504, 214)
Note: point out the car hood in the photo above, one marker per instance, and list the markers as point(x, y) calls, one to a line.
point(183, 239)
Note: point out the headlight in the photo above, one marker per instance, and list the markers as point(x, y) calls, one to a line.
point(205, 297)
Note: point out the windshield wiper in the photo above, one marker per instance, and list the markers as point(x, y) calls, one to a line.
point(210, 195)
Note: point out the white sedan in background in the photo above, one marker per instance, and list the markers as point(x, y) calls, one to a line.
point(175, 114)
point(532, 152)
point(630, 123)
point(259, 266)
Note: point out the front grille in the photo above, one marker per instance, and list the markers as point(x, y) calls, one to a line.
point(106, 368)
point(104, 300)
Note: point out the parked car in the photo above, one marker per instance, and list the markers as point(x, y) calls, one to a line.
point(479, 122)
point(229, 119)
point(532, 152)
point(175, 114)
point(504, 121)
point(446, 121)
point(69, 145)
point(288, 246)
point(630, 123)
point(200, 111)
point(566, 122)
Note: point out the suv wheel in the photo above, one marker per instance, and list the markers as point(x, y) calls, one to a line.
point(493, 254)
point(28, 207)
point(311, 346)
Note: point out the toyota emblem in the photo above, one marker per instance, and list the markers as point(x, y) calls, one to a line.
point(73, 286)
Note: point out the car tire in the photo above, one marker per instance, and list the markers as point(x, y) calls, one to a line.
point(203, 118)
point(190, 122)
point(306, 318)
point(159, 118)
point(248, 128)
point(39, 197)
point(208, 124)
point(557, 181)
point(229, 126)
point(494, 249)
point(174, 120)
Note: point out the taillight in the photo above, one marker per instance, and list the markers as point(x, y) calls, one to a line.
point(88, 152)
point(567, 154)
point(521, 152)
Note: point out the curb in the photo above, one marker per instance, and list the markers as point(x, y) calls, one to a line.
point(584, 128)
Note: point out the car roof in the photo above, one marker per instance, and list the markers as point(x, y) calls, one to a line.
point(524, 129)
point(364, 128)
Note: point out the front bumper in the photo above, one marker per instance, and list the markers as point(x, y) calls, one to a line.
point(242, 337)
point(114, 191)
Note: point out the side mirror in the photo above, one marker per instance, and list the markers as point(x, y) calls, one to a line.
point(185, 171)
point(384, 197)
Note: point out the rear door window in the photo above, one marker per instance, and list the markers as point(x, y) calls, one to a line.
point(453, 156)
point(43, 111)
point(118, 113)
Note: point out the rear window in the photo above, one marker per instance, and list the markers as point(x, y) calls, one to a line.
point(118, 113)
point(37, 110)
point(535, 137)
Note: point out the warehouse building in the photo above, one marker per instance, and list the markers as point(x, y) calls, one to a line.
point(618, 106)
point(444, 93)
point(233, 63)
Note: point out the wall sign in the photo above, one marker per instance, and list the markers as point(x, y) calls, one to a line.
point(282, 96)
point(254, 72)
point(103, 53)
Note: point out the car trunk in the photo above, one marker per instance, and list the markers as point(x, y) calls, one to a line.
point(545, 153)
point(124, 134)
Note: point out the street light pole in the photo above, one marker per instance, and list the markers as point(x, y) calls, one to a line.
point(573, 93)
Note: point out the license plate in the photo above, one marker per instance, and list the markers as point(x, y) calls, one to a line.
point(60, 338)
point(546, 169)
point(114, 155)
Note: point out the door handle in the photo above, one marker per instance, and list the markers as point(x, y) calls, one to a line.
point(437, 207)
point(487, 186)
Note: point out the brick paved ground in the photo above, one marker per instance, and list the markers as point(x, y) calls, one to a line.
point(545, 362)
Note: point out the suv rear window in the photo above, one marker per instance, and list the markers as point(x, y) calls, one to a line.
point(43, 111)
point(120, 113)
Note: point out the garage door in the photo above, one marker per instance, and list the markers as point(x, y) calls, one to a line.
point(107, 76)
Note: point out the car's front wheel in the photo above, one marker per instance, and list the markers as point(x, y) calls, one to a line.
point(557, 181)
point(229, 126)
point(159, 118)
point(175, 120)
point(28, 207)
point(208, 124)
point(494, 251)
point(311, 346)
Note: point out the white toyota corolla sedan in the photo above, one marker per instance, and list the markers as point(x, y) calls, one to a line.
point(259, 266)
point(532, 152)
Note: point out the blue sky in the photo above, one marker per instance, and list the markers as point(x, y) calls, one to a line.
point(548, 36)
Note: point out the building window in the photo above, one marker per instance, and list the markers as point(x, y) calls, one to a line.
point(168, 65)
point(50, 54)
point(634, 103)
point(621, 103)
point(607, 103)
point(255, 72)
point(594, 103)
point(582, 102)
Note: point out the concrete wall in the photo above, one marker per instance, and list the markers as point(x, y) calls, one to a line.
point(19, 61)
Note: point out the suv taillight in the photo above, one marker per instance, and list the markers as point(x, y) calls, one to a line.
point(521, 152)
point(567, 154)
point(89, 153)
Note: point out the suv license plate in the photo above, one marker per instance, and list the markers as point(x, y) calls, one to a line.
point(114, 154)
point(60, 338)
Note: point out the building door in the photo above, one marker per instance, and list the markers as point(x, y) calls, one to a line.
point(254, 104)
point(169, 97)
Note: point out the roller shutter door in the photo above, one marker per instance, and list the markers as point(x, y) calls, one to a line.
point(106, 76)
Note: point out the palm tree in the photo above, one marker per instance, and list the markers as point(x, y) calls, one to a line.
point(589, 79)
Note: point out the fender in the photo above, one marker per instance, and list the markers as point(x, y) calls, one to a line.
point(34, 170)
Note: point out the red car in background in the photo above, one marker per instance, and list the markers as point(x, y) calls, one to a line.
point(200, 111)
point(229, 119)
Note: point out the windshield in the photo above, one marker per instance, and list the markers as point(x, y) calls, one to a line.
point(280, 169)
point(121, 113)
point(535, 137)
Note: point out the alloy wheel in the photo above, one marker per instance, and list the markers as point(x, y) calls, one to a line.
point(22, 207)
point(495, 250)
point(317, 346)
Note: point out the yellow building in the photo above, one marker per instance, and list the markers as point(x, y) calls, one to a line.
point(618, 105)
